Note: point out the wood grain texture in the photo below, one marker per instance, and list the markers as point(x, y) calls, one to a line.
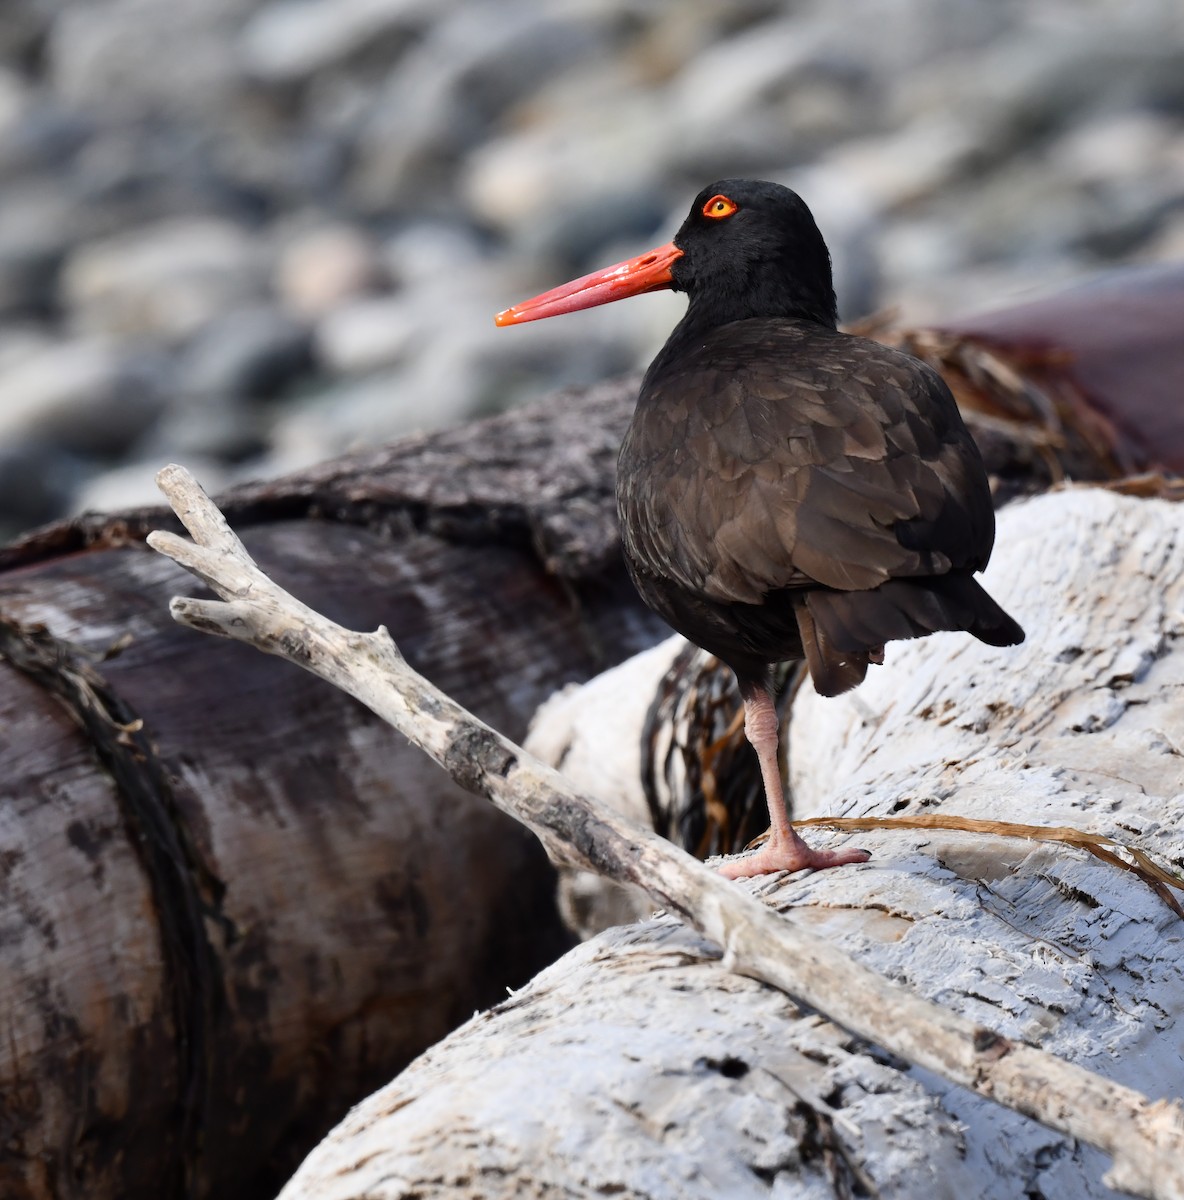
point(350, 903)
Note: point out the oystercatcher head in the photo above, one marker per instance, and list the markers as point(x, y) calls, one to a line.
point(748, 248)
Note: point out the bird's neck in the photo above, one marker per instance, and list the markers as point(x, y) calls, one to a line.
point(785, 295)
point(815, 305)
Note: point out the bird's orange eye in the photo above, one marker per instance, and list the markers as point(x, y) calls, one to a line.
point(719, 207)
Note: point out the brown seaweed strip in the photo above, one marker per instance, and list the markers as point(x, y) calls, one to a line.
point(1100, 845)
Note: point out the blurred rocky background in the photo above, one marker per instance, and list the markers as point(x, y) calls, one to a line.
point(249, 234)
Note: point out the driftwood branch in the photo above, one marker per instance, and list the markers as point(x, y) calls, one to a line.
point(1144, 1139)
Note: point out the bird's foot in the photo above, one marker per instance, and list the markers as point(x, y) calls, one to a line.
point(788, 854)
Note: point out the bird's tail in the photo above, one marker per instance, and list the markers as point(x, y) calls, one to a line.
point(843, 631)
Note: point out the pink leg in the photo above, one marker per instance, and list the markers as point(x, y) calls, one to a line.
point(784, 850)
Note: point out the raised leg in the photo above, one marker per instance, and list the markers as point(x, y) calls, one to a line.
point(784, 850)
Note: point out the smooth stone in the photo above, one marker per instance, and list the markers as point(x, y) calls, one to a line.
point(424, 251)
point(1116, 147)
point(448, 93)
point(42, 142)
point(166, 280)
point(14, 101)
point(133, 485)
point(290, 40)
point(211, 426)
point(322, 267)
point(579, 236)
point(23, 29)
point(364, 335)
point(252, 354)
point(37, 481)
point(87, 395)
point(35, 232)
point(513, 181)
point(139, 56)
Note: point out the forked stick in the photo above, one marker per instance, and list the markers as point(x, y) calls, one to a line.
point(1144, 1139)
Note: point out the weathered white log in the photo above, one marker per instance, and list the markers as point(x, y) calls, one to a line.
point(1146, 1140)
point(1042, 942)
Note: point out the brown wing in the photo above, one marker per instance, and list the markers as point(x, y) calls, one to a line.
point(782, 455)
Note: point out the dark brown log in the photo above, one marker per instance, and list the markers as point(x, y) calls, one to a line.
point(231, 902)
point(541, 478)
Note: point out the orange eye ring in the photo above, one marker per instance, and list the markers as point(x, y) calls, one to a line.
point(718, 207)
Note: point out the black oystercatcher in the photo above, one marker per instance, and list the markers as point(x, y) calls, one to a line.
point(786, 490)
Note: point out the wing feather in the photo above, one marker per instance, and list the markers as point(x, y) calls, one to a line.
point(780, 455)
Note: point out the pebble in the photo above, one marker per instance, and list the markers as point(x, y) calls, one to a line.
point(248, 354)
point(131, 57)
point(13, 102)
point(363, 335)
point(133, 485)
point(452, 88)
point(164, 280)
point(87, 395)
point(38, 481)
point(424, 251)
point(323, 267)
point(212, 427)
point(291, 40)
point(256, 232)
point(35, 232)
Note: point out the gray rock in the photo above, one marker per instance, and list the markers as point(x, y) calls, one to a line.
point(451, 371)
point(1168, 243)
point(133, 485)
point(577, 235)
point(367, 411)
point(450, 89)
point(165, 280)
point(37, 481)
point(771, 96)
point(14, 100)
point(248, 354)
point(43, 138)
point(321, 267)
point(424, 251)
point(23, 28)
point(289, 40)
point(365, 335)
point(894, 171)
point(139, 56)
point(1110, 146)
point(514, 182)
point(1131, 166)
point(213, 428)
point(35, 230)
point(85, 395)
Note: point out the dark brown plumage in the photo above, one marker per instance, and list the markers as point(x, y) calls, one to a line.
point(786, 490)
point(813, 495)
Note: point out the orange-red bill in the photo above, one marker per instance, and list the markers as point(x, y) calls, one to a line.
point(648, 272)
